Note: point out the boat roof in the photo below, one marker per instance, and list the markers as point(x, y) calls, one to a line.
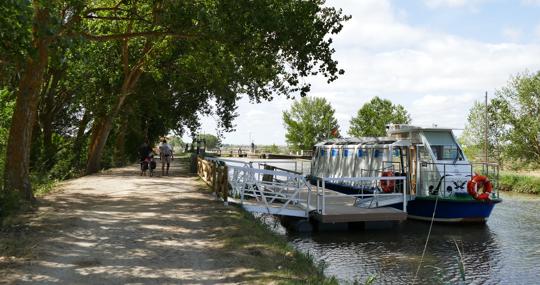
point(404, 128)
point(357, 141)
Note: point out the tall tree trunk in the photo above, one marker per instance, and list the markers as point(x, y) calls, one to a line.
point(120, 144)
point(103, 127)
point(100, 133)
point(17, 172)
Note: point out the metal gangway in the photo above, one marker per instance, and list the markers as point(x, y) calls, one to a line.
point(289, 193)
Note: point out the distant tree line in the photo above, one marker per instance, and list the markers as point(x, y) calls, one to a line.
point(312, 119)
point(82, 83)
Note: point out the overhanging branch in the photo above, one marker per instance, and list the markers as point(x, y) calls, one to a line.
point(147, 34)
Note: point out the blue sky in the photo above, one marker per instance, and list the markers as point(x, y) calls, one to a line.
point(489, 21)
point(435, 57)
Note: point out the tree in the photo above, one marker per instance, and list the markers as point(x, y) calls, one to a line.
point(473, 137)
point(513, 122)
point(372, 118)
point(211, 141)
point(257, 48)
point(310, 120)
point(518, 105)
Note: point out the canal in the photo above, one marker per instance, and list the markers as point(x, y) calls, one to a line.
point(506, 250)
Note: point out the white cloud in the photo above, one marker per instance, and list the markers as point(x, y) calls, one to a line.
point(445, 3)
point(512, 34)
point(537, 31)
point(471, 5)
point(436, 76)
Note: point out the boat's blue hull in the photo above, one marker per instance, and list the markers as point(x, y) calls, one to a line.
point(460, 209)
point(449, 210)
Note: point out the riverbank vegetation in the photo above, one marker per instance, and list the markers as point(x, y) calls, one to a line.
point(519, 182)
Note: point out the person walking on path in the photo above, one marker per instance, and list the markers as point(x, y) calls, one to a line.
point(165, 155)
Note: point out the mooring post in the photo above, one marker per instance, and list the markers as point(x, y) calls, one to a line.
point(323, 198)
point(404, 195)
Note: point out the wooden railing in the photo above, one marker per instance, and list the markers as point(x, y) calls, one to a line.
point(214, 175)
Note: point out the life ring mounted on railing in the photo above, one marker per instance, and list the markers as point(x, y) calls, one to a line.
point(387, 185)
point(479, 187)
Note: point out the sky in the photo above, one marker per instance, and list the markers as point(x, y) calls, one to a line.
point(434, 57)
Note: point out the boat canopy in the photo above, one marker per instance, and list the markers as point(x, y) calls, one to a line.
point(357, 141)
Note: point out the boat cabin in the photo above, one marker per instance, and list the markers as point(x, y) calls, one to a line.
point(431, 158)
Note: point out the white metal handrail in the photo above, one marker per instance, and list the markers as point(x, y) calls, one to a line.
point(247, 182)
point(322, 194)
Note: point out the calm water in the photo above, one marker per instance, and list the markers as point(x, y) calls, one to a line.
point(504, 251)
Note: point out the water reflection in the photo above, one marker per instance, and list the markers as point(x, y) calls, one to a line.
point(504, 251)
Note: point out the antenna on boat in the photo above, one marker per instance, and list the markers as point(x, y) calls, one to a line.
point(486, 129)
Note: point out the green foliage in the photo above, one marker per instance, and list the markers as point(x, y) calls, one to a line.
point(176, 143)
point(212, 141)
point(519, 183)
point(15, 37)
point(310, 120)
point(7, 103)
point(473, 137)
point(180, 59)
point(519, 105)
point(372, 118)
point(271, 149)
point(513, 123)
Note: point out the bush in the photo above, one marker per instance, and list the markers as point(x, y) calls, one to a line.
point(519, 183)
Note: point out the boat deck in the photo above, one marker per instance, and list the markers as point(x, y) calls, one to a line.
point(339, 208)
point(342, 209)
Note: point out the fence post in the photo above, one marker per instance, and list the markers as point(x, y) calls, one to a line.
point(225, 185)
point(199, 166)
point(215, 178)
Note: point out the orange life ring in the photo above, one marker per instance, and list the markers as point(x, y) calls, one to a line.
point(479, 182)
point(388, 185)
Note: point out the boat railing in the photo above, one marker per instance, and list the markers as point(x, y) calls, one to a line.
point(276, 194)
point(488, 169)
point(283, 192)
point(323, 194)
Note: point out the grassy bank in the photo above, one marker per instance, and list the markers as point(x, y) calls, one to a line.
point(518, 182)
point(268, 252)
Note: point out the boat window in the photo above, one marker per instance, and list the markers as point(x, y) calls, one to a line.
point(445, 152)
point(443, 146)
point(424, 155)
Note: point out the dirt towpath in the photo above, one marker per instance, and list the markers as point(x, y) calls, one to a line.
point(120, 228)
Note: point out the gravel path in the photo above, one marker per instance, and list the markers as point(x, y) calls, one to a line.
point(120, 228)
